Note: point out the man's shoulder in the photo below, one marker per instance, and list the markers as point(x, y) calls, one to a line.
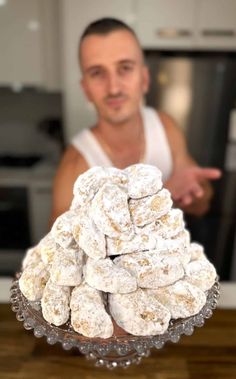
point(71, 155)
point(81, 136)
point(166, 119)
point(73, 159)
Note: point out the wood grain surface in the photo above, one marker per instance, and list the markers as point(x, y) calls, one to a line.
point(210, 353)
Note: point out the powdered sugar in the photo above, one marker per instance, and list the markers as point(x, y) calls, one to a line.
point(157, 272)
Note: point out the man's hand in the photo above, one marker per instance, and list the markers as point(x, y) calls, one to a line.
point(190, 184)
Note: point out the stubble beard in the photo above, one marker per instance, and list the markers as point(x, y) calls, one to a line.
point(118, 117)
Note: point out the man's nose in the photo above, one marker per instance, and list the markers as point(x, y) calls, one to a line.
point(113, 84)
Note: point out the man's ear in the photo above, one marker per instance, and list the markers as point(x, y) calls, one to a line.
point(146, 79)
point(85, 89)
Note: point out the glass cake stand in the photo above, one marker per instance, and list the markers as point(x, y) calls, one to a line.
point(117, 351)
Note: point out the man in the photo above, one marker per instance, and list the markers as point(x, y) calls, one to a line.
point(115, 79)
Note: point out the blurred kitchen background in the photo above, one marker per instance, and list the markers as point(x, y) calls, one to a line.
point(190, 48)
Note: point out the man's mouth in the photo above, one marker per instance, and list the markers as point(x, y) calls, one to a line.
point(115, 102)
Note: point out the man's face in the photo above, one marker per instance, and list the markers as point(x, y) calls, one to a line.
point(114, 75)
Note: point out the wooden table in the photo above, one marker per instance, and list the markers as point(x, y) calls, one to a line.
point(210, 353)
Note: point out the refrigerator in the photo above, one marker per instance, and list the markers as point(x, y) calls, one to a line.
point(198, 89)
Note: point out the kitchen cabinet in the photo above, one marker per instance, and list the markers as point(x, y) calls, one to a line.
point(29, 44)
point(165, 24)
point(40, 197)
point(186, 24)
point(216, 24)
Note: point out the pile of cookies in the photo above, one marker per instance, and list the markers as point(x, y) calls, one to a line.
point(121, 253)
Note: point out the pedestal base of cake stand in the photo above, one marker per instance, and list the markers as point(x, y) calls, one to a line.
point(117, 351)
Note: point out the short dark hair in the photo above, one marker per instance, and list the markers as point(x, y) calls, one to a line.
point(105, 26)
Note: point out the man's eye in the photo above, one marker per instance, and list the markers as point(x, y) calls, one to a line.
point(126, 68)
point(95, 73)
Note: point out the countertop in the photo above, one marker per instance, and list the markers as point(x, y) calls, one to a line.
point(210, 353)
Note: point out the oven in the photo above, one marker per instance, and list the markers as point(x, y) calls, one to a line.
point(25, 206)
point(14, 227)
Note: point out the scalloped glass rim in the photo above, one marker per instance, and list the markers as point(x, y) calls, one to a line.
point(117, 351)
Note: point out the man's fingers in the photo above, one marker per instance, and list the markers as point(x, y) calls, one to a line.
point(209, 173)
point(186, 200)
point(197, 191)
point(187, 185)
point(194, 191)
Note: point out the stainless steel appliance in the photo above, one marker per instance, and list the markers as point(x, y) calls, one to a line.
point(15, 223)
point(31, 139)
point(198, 89)
point(14, 227)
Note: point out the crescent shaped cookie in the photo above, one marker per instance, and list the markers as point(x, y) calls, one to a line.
point(105, 276)
point(201, 273)
point(110, 213)
point(88, 184)
point(55, 303)
point(181, 240)
point(139, 242)
point(143, 180)
point(88, 314)
point(148, 209)
point(48, 248)
point(168, 226)
point(32, 257)
point(177, 247)
point(67, 267)
point(62, 229)
point(89, 238)
point(196, 251)
point(171, 224)
point(138, 314)
point(150, 270)
point(147, 229)
point(181, 298)
point(116, 176)
point(33, 281)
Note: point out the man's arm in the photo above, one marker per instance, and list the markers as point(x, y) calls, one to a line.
point(71, 165)
point(189, 184)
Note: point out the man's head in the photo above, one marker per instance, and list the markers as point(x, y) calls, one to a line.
point(114, 76)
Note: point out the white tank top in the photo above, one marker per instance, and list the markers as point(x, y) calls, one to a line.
point(157, 147)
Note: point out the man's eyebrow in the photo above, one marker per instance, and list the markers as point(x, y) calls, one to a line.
point(92, 68)
point(97, 66)
point(129, 61)
point(125, 60)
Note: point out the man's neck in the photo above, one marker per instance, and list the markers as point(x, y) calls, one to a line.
point(119, 136)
